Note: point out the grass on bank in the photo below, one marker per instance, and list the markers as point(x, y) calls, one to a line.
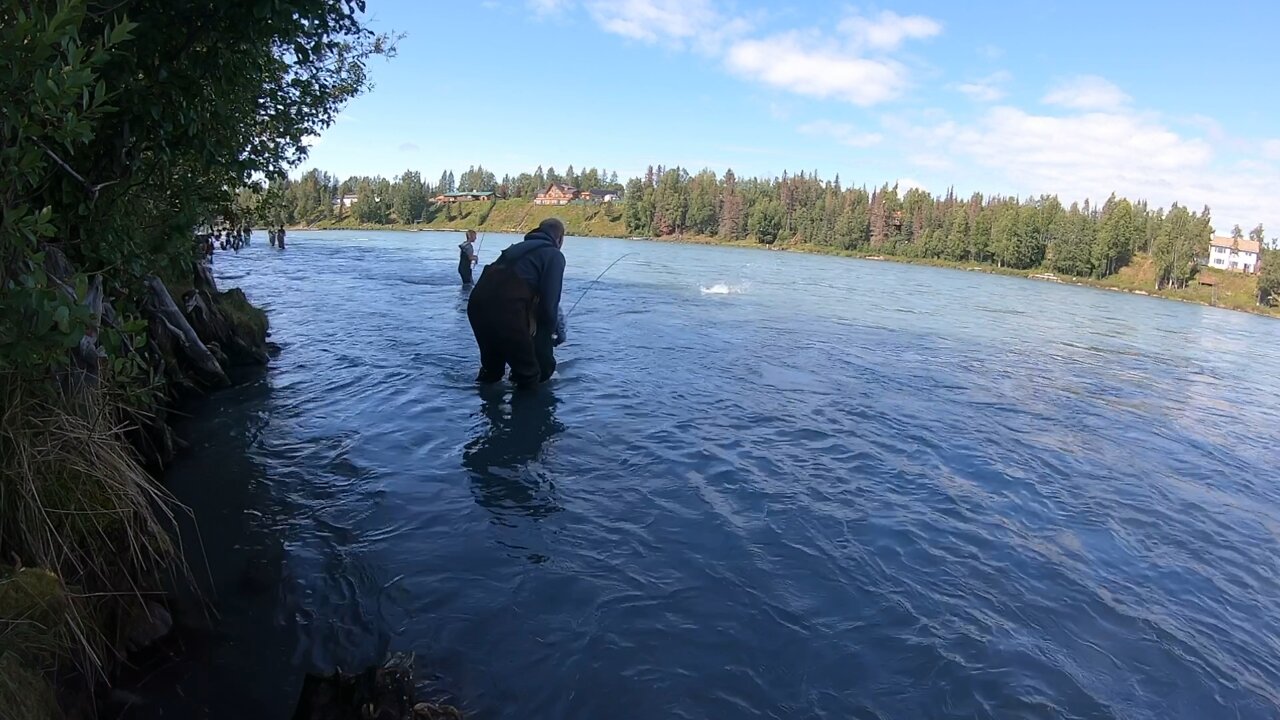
point(80, 523)
point(36, 629)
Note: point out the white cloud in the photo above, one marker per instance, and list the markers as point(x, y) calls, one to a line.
point(888, 30)
point(548, 7)
point(842, 133)
point(987, 89)
point(1087, 92)
point(1271, 149)
point(409, 147)
point(1092, 154)
point(654, 21)
point(804, 64)
point(905, 184)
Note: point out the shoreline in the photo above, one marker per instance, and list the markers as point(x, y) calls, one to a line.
point(1038, 274)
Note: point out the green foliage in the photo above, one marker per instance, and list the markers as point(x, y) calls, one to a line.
point(477, 180)
point(766, 221)
point(409, 197)
point(1183, 237)
point(1116, 237)
point(125, 129)
point(1269, 278)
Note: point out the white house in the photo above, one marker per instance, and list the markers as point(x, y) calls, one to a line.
point(1238, 255)
point(345, 202)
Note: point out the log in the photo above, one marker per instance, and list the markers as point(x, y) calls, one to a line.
point(184, 341)
point(203, 279)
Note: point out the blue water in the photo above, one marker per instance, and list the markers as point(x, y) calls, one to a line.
point(762, 485)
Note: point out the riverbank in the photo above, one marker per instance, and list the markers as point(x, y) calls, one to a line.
point(1230, 291)
point(86, 524)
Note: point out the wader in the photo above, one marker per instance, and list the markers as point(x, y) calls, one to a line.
point(503, 314)
point(464, 266)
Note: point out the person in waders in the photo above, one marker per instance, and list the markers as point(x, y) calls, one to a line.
point(467, 257)
point(514, 308)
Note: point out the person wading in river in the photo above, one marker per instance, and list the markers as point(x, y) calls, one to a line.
point(515, 308)
point(467, 257)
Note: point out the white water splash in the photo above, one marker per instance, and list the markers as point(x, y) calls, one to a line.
point(724, 289)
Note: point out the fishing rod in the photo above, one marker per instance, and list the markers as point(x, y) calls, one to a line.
point(592, 284)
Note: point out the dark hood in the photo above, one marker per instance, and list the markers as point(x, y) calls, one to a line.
point(535, 240)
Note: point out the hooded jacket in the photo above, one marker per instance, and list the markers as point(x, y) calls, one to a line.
point(538, 262)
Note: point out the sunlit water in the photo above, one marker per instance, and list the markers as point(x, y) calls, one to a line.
point(762, 485)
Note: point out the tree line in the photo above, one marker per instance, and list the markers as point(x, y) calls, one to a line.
point(406, 198)
point(1084, 239)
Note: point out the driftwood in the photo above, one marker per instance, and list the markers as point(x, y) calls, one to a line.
point(203, 279)
point(172, 332)
point(383, 692)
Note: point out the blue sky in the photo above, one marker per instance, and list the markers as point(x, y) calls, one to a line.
point(1172, 101)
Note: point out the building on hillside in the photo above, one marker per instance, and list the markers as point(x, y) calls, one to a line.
point(345, 202)
point(457, 197)
point(601, 195)
point(557, 194)
point(1239, 255)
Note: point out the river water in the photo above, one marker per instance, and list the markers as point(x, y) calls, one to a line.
point(762, 485)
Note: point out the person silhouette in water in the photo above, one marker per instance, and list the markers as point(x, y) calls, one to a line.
point(467, 257)
point(514, 309)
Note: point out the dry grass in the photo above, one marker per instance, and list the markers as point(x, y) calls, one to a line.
point(75, 504)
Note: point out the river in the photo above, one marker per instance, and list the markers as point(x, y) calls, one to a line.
point(762, 485)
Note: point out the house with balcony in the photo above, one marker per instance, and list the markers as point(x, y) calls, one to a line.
point(557, 194)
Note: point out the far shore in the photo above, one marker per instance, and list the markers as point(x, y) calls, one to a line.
point(1116, 283)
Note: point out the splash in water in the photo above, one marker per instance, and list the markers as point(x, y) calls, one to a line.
point(724, 289)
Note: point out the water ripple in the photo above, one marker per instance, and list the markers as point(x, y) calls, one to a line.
point(759, 487)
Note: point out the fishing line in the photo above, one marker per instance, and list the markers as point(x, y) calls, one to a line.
point(592, 284)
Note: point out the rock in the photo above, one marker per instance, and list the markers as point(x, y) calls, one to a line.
point(150, 624)
point(383, 692)
point(432, 711)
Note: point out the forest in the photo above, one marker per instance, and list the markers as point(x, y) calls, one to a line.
point(1083, 239)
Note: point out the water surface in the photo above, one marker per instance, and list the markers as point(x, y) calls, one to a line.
point(762, 485)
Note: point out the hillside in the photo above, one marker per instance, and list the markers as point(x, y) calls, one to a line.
point(1235, 291)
